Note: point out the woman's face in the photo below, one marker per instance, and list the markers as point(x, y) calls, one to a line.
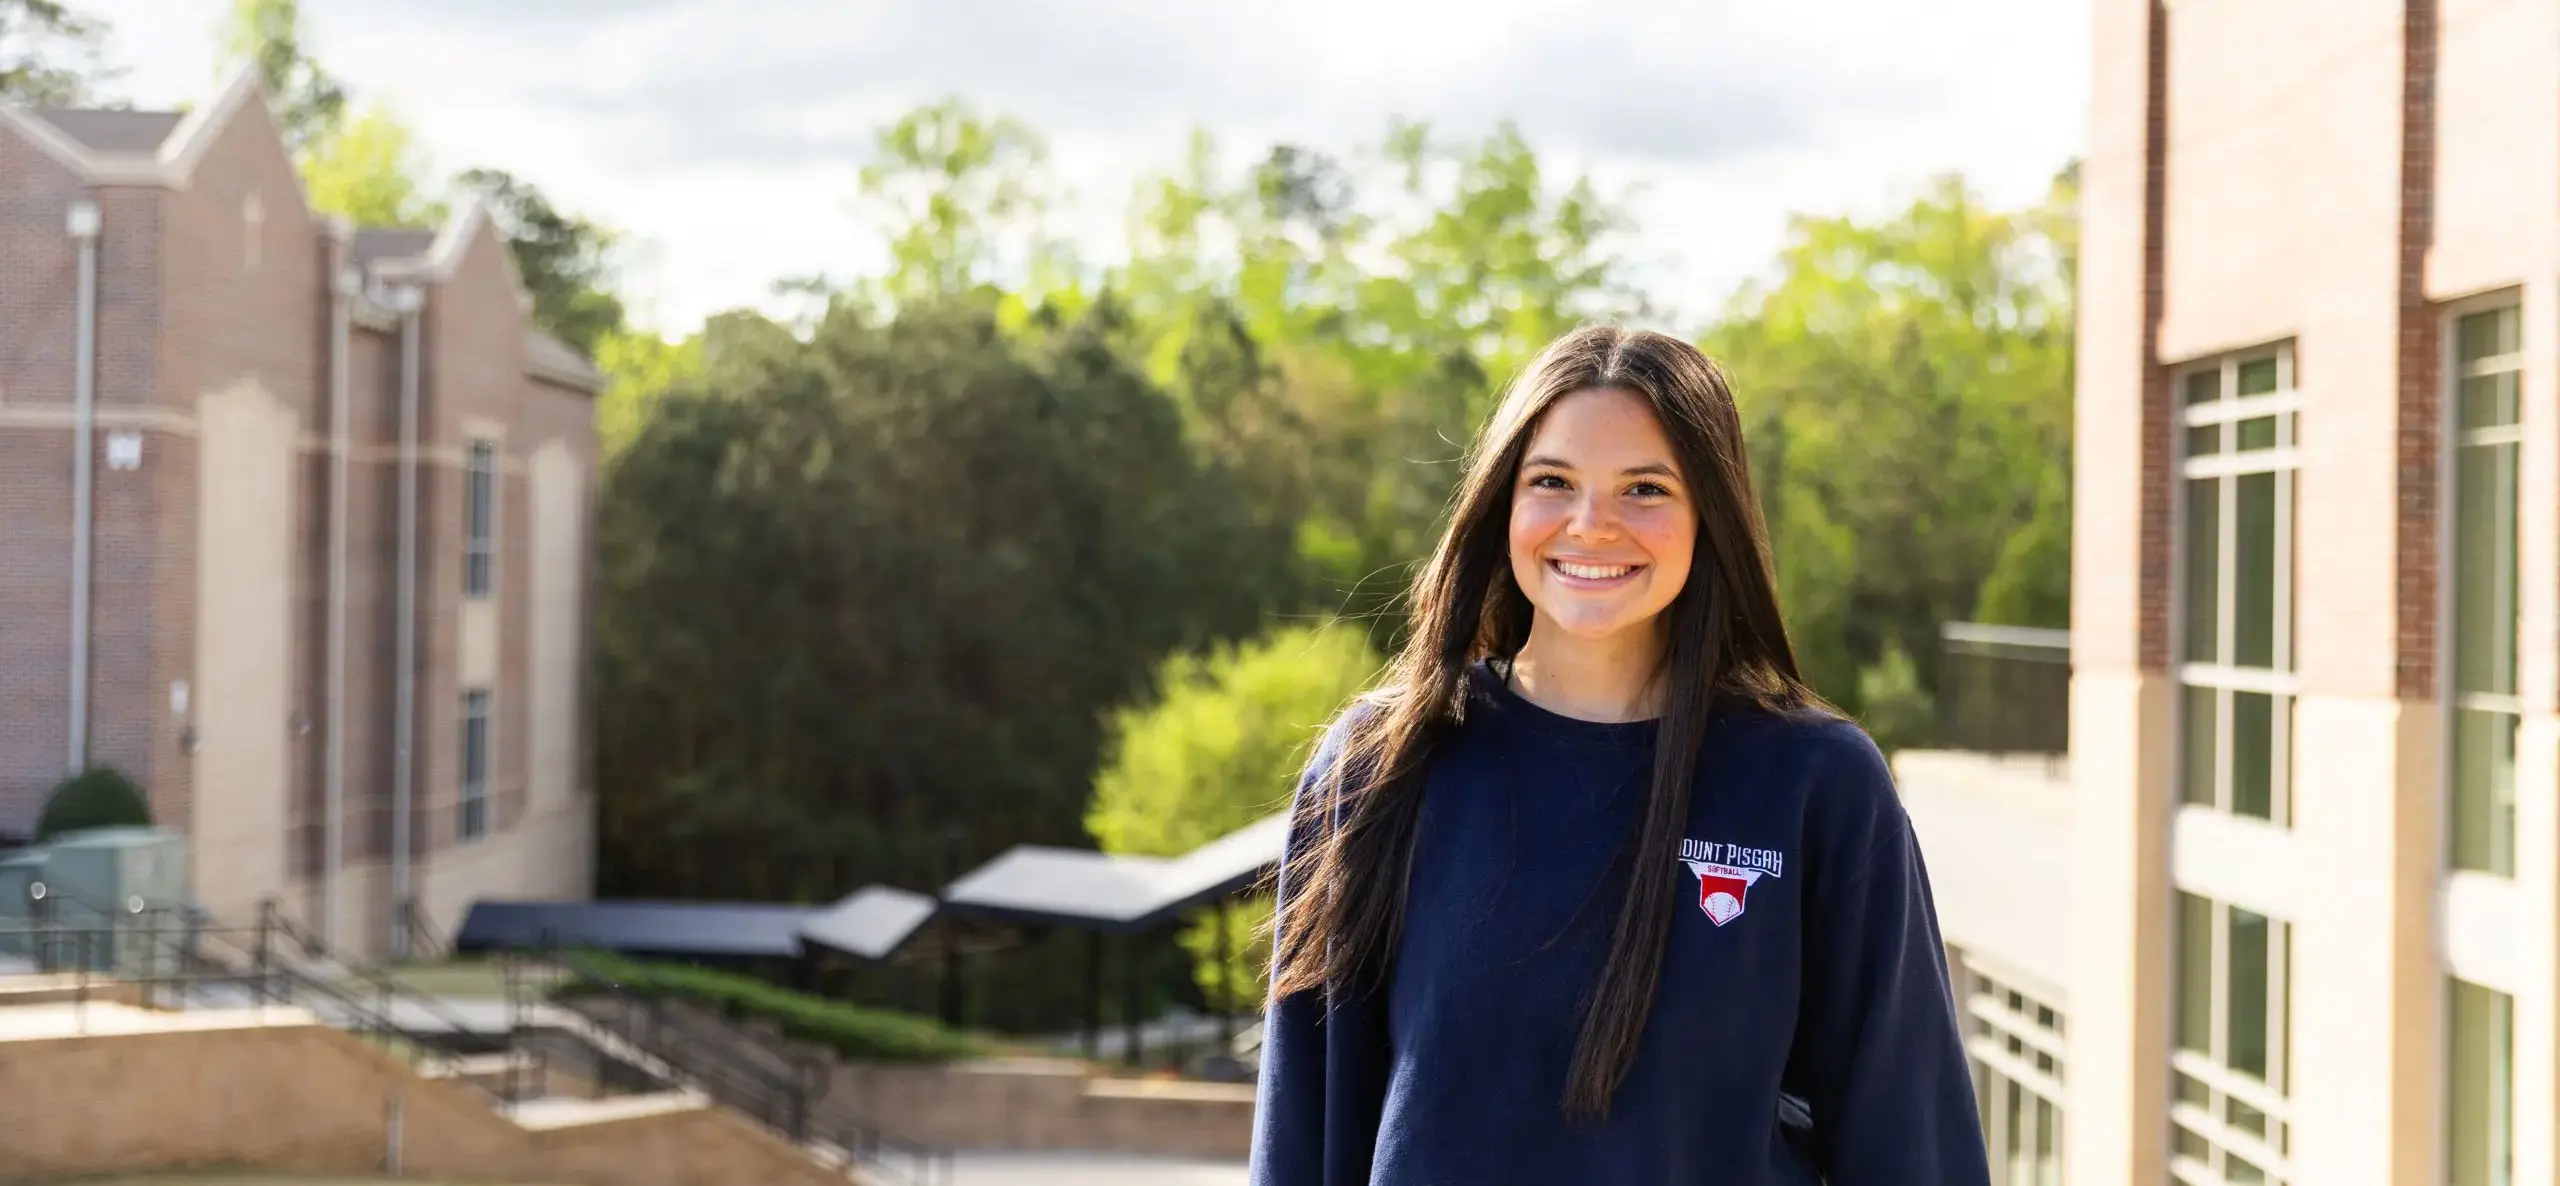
point(1602, 526)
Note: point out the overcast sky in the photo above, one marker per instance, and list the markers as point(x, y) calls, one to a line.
point(725, 135)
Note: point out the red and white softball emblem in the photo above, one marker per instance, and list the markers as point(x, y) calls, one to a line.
point(1722, 889)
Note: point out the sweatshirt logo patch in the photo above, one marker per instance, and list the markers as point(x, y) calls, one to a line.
point(1726, 873)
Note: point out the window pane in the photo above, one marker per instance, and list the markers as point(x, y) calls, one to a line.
point(2203, 722)
point(2488, 400)
point(2203, 560)
point(2484, 568)
point(2253, 755)
point(2484, 791)
point(2253, 634)
point(2241, 1173)
point(2245, 1118)
point(2205, 386)
point(2195, 974)
point(2048, 1145)
point(2248, 986)
point(2481, 1087)
point(2192, 1090)
point(2204, 440)
point(2192, 1146)
point(2018, 1134)
point(2489, 334)
point(2258, 433)
point(2258, 376)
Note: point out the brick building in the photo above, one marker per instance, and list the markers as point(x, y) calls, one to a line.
point(267, 398)
point(2304, 868)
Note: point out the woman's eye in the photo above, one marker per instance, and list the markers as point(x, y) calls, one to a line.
point(1548, 482)
point(1648, 490)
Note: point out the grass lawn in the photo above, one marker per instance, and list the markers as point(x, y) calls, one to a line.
point(461, 978)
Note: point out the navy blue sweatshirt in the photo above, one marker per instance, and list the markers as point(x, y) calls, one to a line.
point(1804, 960)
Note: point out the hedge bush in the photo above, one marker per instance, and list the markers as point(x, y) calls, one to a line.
point(852, 1031)
point(98, 797)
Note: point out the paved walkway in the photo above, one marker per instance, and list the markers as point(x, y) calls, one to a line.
point(1070, 1169)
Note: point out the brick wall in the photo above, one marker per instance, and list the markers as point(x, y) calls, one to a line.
point(222, 285)
point(37, 260)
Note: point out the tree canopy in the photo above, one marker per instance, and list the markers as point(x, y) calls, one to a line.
point(1219, 748)
point(50, 55)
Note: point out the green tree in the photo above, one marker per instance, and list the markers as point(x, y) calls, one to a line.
point(309, 103)
point(1219, 748)
point(50, 54)
point(566, 261)
point(862, 588)
point(948, 184)
point(1907, 387)
point(367, 171)
point(640, 369)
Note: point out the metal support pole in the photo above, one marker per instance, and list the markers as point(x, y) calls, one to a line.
point(266, 938)
point(1226, 987)
point(1134, 987)
point(1093, 996)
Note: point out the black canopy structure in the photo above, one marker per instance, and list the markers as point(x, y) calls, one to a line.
point(1113, 893)
point(872, 924)
point(1030, 886)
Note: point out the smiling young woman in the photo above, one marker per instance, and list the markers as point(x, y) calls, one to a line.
point(1593, 888)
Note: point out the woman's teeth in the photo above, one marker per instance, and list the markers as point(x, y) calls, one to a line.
point(1594, 572)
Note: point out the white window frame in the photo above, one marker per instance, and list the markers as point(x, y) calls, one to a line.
point(2002, 1014)
point(2449, 593)
point(2211, 1069)
point(2225, 466)
point(471, 813)
point(480, 489)
point(2507, 1149)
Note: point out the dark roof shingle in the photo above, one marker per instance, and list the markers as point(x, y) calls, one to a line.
point(120, 133)
point(377, 243)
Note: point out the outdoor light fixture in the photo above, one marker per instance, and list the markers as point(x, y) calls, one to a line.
point(36, 890)
point(84, 219)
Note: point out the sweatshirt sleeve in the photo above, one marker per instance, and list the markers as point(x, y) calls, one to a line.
point(1322, 1080)
point(1879, 1056)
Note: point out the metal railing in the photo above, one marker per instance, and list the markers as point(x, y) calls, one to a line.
point(173, 959)
point(738, 1068)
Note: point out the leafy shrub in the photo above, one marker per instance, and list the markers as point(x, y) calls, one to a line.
point(852, 1031)
point(98, 797)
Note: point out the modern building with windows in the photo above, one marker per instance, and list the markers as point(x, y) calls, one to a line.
point(294, 527)
point(2293, 898)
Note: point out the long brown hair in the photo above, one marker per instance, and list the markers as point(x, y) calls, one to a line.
point(1344, 912)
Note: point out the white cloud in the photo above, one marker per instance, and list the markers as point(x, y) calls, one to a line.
point(724, 134)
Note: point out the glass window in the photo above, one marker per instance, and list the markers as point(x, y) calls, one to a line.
point(2204, 569)
point(2238, 564)
point(2253, 754)
point(2254, 583)
point(2249, 987)
point(2484, 791)
point(479, 519)
point(2488, 441)
point(474, 815)
point(2195, 974)
point(2480, 1095)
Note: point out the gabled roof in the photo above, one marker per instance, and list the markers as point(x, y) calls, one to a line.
point(118, 133)
point(158, 148)
point(547, 357)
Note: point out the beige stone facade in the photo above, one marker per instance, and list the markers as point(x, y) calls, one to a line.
point(2313, 923)
point(249, 368)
